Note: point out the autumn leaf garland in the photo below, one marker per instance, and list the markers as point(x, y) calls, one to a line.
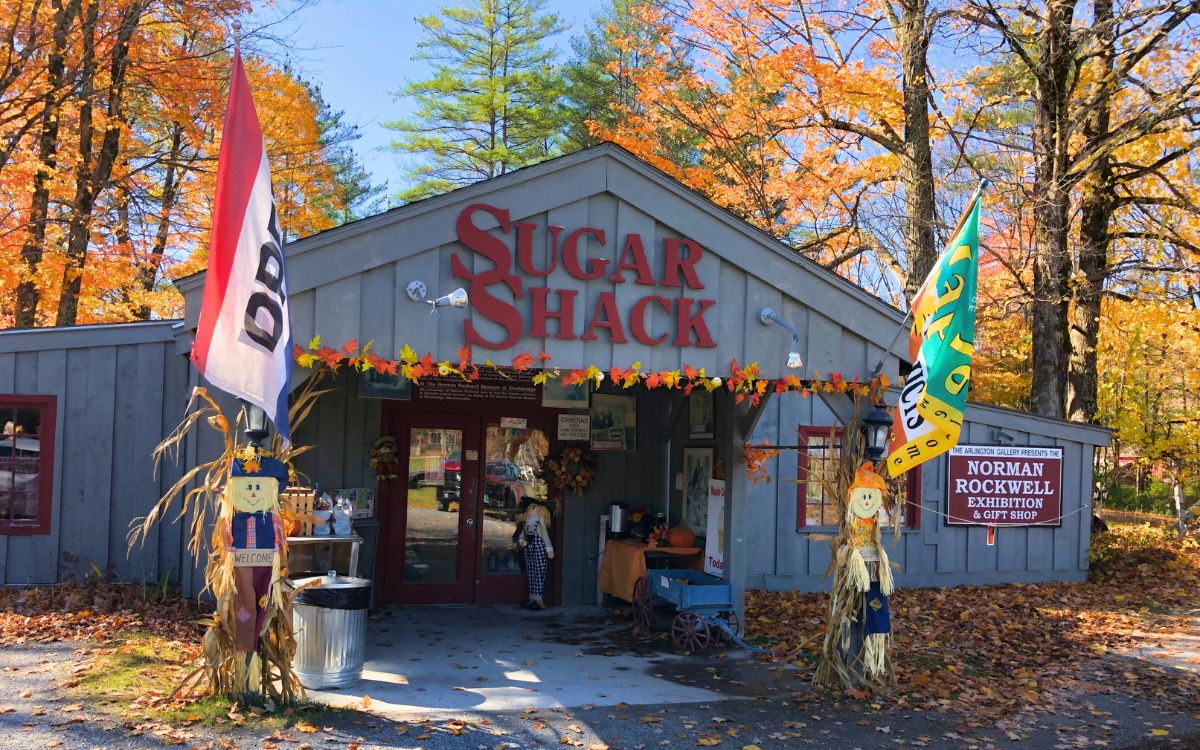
point(743, 380)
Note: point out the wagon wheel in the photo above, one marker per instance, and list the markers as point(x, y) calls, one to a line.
point(735, 624)
point(641, 604)
point(690, 633)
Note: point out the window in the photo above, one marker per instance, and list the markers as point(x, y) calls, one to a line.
point(817, 458)
point(26, 463)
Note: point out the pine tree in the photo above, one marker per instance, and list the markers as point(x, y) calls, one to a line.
point(492, 103)
point(354, 195)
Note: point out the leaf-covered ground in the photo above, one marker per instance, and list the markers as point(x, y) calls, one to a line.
point(979, 667)
point(989, 651)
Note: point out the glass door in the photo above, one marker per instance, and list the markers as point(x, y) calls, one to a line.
point(434, 514)
point(512, 466)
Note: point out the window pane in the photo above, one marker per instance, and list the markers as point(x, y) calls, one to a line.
point(512, 473)
point(20, 461)
point(434, 487)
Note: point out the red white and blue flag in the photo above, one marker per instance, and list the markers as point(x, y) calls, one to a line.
point(244, 339)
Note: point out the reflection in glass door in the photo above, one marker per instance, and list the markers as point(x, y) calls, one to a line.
point(434, 503)
point(512, 473)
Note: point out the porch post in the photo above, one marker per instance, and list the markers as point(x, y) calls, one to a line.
point(734, 427)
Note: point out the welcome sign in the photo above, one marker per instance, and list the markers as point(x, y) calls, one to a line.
point(997, 485)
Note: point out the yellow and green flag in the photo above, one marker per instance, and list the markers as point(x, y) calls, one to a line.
point(929, 415)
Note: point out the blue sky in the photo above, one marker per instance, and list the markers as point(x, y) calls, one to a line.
point(360, 53)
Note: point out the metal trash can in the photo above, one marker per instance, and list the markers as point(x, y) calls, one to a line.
point(330, 622)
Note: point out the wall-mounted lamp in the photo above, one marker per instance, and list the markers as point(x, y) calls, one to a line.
point(876, 426)
point(417, 291)
point(256, 424)
point(767, 316)
point(1000, 437)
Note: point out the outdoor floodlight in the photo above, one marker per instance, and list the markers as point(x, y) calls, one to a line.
point(457, 298)
point(876, 426)
point(417, 292)
point(767, 316)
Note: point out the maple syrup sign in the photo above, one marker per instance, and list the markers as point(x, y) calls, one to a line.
point(996, 485)
point(557, 313)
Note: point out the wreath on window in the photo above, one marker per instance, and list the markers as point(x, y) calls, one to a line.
point(572, 471)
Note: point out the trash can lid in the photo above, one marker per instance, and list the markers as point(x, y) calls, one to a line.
point(332, 581)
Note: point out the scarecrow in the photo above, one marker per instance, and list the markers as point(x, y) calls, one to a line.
point(254, 535)
point(868, 573)
point(385, 457)
point(535, 542)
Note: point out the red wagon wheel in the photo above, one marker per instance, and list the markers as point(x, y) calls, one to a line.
point(641, 604)
point(735, 624)
point(690, 633)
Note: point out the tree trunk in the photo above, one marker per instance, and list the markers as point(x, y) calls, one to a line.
point(913, 38)
point(1096, 210)
point(1177, 497)
point(148, 272)
point(95, 175)
point(1051, 211)
point(34, 246)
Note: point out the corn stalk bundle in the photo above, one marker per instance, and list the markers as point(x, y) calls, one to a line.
point(842, 666)
point(201, 494)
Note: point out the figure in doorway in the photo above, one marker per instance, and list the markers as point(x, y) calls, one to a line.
point(537, 549)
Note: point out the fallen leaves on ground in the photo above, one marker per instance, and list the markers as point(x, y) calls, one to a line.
point(91, 612)
point(987, 650)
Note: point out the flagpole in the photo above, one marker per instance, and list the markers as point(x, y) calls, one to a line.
point(237, 36)
point(983, 183)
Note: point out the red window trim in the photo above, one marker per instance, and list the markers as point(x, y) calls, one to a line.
point(912, 515)
point(46, 436)
point(804, 433)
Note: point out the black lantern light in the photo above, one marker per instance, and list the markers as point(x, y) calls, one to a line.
point(256, 424)
point(875, 427)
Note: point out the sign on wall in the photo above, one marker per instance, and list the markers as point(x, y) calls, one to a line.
point(574, 427)
point(563, 313)
point(998, 485)
point(714, 537)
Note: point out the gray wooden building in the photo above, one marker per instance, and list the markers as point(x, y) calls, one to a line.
point(593, 258)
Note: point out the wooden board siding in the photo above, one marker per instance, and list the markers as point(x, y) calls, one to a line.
point(117, 390)
point(349, 282)
point(934, 554)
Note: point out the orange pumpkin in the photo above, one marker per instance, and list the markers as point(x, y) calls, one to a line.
point(681, 536)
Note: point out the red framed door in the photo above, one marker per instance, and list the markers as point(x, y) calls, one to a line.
point(509, 473)
point(429, 537)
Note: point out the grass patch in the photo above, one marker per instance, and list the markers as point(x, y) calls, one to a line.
point(132, 677)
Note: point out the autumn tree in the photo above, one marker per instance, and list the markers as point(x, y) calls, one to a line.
point(812, 120)
point(109, 130)
point(1082, 63)
point(492, 103)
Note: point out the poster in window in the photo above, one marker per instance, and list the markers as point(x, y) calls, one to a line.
point(614, 422)
point(697, 471)
point(555, 395)
point(701, 424)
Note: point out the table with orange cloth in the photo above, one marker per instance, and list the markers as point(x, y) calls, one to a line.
point(625, 562)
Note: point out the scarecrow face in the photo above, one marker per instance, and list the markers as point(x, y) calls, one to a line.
point(254, 494)
point(865, 501)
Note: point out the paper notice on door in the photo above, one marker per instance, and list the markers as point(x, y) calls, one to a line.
point(574, 427)
point(471, 455)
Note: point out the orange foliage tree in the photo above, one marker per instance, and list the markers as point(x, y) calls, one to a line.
point(110, 116)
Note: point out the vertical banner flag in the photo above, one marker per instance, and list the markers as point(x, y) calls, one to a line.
point(940, 344)
point(244, 338)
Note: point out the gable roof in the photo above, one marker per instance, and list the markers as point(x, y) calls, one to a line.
point(592, 162)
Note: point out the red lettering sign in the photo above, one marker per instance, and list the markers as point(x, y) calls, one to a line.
point(998, 485)
point(557, 307)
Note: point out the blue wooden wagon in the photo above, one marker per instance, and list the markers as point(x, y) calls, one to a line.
point(703, 605)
